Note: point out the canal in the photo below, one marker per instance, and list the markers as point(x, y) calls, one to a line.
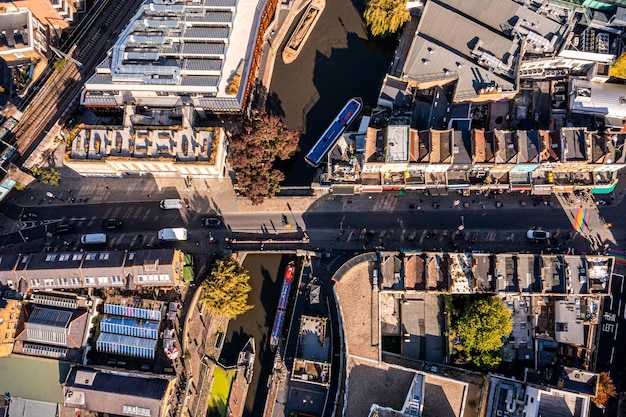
point(338, 62)
point(266, 276)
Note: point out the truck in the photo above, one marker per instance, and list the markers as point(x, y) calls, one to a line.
point(173, 233)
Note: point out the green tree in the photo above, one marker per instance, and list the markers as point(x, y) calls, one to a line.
point(606, 390)
point(385, 17)
point(482, 327)
point(49, 176)
point(252, 155)
point(225, 291)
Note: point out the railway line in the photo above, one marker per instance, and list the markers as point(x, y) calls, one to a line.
point(57, 98)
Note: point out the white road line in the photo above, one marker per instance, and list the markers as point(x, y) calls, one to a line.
point(611, 306)
point(612, 353)
point(615, 334)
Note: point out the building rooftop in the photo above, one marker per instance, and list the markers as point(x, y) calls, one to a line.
point(529, 273)
point(550, 146)
point(577, 380)
point(462, 148)
point(483, 146)
point(397, 149)
point(528, 146)
point(553, 274)
point(420, 321)
point(569, 326)
point(507, 146)
point(17, 378)
point(180, 48)
point(461, 277)
point(483, 272)
point(602, 99)
point(473, 54)
point(112, 392)
point(506, 279)
point(414, 272)
point(508, 17)
point(574, 144)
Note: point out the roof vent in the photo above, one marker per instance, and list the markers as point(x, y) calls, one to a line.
point(425, 61)
point(430, 50)
point(459, 64)
point(446, 71)
point(622, 100)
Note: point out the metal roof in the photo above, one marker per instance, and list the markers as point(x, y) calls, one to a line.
point(201, 81)
point(199, 64)
point(50, 317)
point(121, 340)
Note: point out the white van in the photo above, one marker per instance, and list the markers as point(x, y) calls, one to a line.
point(93, 238)
point(171, 203)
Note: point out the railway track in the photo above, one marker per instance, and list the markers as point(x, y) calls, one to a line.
point(58, 97)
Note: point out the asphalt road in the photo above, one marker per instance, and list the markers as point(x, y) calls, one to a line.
point(145, 219)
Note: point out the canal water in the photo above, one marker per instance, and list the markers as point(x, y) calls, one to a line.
point(337, 62)
point(266, 277)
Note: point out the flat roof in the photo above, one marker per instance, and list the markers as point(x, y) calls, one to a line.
point(569, 327)
point(397, 144)
point(449, 52)
point(118, 383)
point(503, 14)
point(184, 48)
point(17, 378)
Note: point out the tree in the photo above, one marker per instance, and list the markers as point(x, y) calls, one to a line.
point(385, 17)
point(49, 176)
point(606, 390)
point(225, 291)
point(253, 153)
point(482, 327)
point(618, 69)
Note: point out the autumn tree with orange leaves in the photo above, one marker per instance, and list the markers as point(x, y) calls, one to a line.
point(253, 153)
point(606, 390)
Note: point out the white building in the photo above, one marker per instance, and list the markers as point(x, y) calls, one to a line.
point(199, 53)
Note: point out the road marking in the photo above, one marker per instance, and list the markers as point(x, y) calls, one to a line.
point(29, 224)
point(611, 306)
point(77, 218)
point(612, 353)
point(616, 327)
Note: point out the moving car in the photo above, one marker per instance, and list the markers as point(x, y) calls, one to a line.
point(173, 233)
point(171, 203)
point(93, 238)
point(211, 222)
point(63, 228)
point(538, 235)
point(110, 224)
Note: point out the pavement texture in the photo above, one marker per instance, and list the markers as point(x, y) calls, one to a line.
point(217, 196)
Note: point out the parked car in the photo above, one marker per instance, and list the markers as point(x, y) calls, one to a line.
point(538, 235)
point(110, 224)
point(63, 228)
point(211, 222)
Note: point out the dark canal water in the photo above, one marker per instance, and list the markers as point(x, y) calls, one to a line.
point(338, 62)
point(266, 276)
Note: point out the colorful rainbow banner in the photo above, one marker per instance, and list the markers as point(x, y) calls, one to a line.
point(620, 257)
point(580, 221)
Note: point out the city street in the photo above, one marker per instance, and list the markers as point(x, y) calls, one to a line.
point(484, 227)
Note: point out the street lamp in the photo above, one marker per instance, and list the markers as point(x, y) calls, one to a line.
point(462, 225)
